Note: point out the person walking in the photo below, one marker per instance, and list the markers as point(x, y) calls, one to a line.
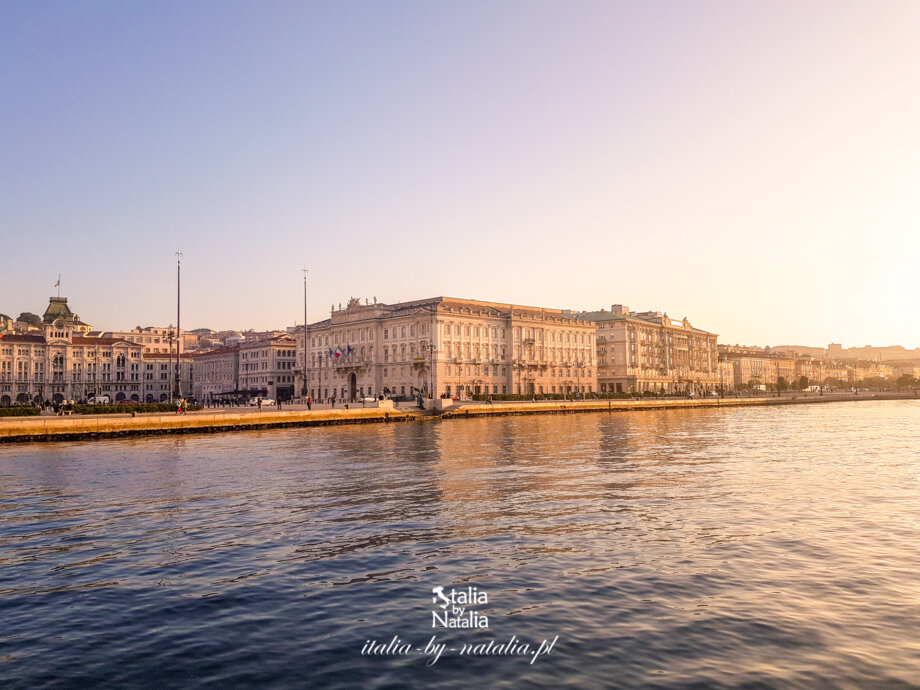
point(309, 402)
point(260, 404)
point(279, 403)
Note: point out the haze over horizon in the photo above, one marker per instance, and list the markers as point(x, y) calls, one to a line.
point(753, 168)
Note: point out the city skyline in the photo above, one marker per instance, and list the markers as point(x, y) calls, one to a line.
point(750, 168)
point(319, 321)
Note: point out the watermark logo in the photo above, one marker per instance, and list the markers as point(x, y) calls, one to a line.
point(456, 609)
point(460, 609)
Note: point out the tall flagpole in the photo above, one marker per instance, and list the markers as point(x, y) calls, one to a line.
point(305, 348)
point(178, 323)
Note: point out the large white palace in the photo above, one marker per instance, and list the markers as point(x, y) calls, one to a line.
point(448, 346)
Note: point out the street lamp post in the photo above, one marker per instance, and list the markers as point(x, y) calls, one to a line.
point(169, 337)
point(432, 350)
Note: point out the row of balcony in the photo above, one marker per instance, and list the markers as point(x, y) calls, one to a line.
point(422, 361)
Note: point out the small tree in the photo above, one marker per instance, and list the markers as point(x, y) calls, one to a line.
point(782, 384)
point(803, 383)
point(31, 319)
point(905, 381)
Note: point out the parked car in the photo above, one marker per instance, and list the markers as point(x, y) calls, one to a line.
point(254, 402)
point(368, 399)
point(99, 400)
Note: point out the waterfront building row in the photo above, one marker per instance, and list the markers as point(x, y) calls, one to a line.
point(460, 348)
point(65, 360)
point(744, 367)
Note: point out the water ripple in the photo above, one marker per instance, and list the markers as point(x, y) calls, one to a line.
point(769, 547)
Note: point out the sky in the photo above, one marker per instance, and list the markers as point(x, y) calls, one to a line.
point(754, 167)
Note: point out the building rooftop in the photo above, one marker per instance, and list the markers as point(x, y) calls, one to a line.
point(620, 313)
point(217, 351)
point(93, 340)
point(17, 338)
point(58, 309)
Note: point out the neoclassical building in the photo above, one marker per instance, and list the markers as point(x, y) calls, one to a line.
point(217, 373)
point(155, 339)
point(266, 367)
point(447, 346)
point(649, 351)
point(62, 363)
point(160, 383)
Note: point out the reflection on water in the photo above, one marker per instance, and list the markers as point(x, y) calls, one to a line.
point(771, 546)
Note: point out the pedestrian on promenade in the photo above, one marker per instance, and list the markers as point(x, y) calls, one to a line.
point(178, 406)
point(279, 403)
point(309, 402)
point(260, 404)
point(332, 401)
point(184, 406)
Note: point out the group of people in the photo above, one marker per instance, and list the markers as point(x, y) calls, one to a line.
point(63, 408)
point(181, 406)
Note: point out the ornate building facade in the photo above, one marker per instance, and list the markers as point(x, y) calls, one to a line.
point(448, 346)
point(266, 368)
point(160, 381)
point(154, 339)
point(62, 363)
point(217, 374)
point(648, 351)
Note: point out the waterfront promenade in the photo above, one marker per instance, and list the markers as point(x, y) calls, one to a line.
point(80, 427)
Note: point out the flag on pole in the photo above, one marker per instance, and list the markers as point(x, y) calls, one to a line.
point(350, 350)
point(338, 352)
point(58, 283)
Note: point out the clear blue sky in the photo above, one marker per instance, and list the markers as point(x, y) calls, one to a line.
point(752, 166)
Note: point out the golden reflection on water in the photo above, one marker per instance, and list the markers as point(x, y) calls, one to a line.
point(775, 543)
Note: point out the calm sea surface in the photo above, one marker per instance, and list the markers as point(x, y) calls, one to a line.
point(771, 547)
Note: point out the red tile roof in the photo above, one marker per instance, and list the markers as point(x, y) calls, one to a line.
point(84, 340)
point(218, 351)
point(21, 338)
